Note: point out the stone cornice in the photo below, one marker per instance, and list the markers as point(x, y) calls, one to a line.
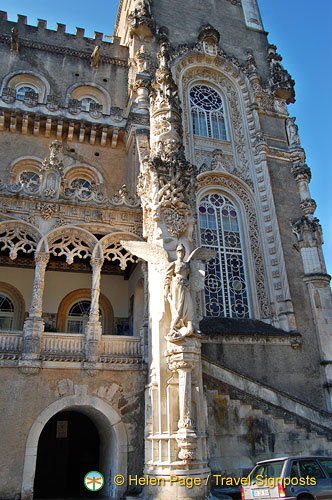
point(57, 49)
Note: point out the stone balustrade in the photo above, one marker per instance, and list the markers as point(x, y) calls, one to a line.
point(10, 344)
point(66, 347)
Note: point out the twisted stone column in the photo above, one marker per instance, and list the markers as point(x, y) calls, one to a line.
point(34, 326)
point(93, 329)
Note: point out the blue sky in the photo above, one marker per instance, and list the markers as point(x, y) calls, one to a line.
point(301, 31)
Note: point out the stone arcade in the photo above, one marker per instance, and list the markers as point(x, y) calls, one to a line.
point(159, 314)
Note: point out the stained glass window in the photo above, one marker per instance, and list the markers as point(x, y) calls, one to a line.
point(207, 112)
point(226, 292)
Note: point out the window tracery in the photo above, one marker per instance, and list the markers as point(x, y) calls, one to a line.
point(86, 102)
point(23, 90)
point(7, 311)
point(207, 112)
point(78, 316)
point(226, 293)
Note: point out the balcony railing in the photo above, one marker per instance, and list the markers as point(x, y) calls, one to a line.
point(70, 347)
point(10, 344)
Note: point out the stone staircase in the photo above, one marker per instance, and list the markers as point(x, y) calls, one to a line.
point(249, 421)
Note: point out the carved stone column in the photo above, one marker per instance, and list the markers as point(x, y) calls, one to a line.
point(309, 236)
point(182, 358)
point(175, 431)
point(93, 328)
point(34, 325)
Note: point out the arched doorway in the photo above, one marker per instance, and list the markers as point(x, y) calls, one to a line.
point(112, 435)
point(68, 448)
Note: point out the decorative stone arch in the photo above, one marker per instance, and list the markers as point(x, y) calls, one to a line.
point(85, 293)
point(112, 431)
point(234, 86)
point(80, 90)
point(71, 241)
point(18, 236)
point(113, 250)
point(23, 164)
point(18, 301)
point(33, 78)
point(238, 190)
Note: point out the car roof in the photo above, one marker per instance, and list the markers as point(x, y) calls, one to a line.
point(278, 459)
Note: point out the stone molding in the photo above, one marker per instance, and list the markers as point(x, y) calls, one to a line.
point(57, 49)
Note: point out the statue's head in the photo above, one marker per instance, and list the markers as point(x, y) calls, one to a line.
point(180, 250)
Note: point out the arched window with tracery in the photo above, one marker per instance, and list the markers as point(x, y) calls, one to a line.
point(7, 311)
point(226, 290)
point(78, 316)
point(207, 112)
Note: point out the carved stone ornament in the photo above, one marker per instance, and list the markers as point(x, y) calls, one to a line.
point(301, 172)
point(30, 98)
point(166, 188)
point(14, 44)
point(308, 206)
point(308, 231)
point(48, 210)
point(209, 37)
point(52, 102)
point(16, 239)
point(8, 95)
point(140, 20)
point(71, 244)
point(292, 132)
point(95, 57)
point(123, 198)
point(281, 82)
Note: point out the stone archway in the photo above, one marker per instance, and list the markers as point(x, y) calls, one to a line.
point(113, 441)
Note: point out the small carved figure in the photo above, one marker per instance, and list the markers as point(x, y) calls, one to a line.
point(14, 41)
point(292, 132)
point(142, 8)
point(95, 57)
point(141, 60)
point(178, 294)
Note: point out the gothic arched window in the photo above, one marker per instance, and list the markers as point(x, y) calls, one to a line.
point(207, 112)
point(226, 293)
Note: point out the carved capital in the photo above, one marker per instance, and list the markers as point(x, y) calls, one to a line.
point(96, 263)
point(301, 172)
point(308, 206)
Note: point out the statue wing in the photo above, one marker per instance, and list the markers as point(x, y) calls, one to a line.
point(197, 260)
point(202, 253)
point(154, 254)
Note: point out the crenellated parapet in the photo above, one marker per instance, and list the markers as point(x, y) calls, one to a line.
point(59, 41)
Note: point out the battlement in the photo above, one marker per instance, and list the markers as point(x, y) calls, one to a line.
point(61, 38)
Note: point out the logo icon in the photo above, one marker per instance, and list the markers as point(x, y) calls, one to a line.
point(94, 481)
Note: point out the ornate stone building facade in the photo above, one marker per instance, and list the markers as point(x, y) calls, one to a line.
point(163, 291)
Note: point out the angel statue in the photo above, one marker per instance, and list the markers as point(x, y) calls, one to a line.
point(180, 278)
